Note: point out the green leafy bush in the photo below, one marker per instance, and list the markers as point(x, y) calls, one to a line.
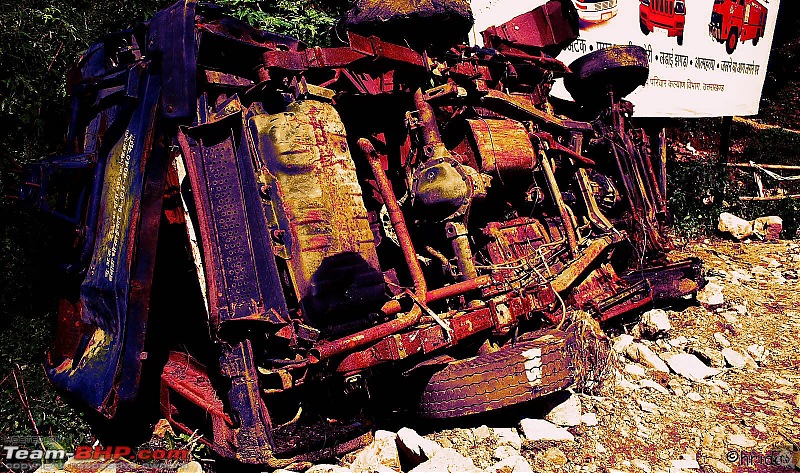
point(694, 179)
point(307, 21)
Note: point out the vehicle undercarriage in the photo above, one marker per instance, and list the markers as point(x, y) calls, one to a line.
point(269, 234)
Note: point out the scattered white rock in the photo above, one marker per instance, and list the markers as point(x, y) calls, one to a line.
point(508, 436)
point(326, 468)
point(721, 384)
point(738, 360)
point(676, 387)
point(678, 341)
point(540, 429)
point(381, 452)
point(567, 413)
point(738, 227)
point(641, 353)
point(621, 343)
point(758, 352)
point(772, 262)
point(635, 370)
point(589, 419)
point(741, 309)
point(694, 396)
point(740, 440)
point(625, 385)
point(481, 433)
point(710, 357)
point(721, 340)
point(642, 465)
point(730, 317)
point(647, 406)
point(711, 295)
point(768, 228)
point(414, 447)
point(512, 464)
point(191, 467)
point(504, 451)
point(654, 324)
point(446, 460)
point(689, 366)
point(649, 383)
point(740, 275)
point(599, 448)
point(685, 464)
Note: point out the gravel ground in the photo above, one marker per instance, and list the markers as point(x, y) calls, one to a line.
point(743, 419)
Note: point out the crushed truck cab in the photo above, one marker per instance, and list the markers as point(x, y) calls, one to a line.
point(274, 241)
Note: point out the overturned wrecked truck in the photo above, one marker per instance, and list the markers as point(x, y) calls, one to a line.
point(261, 235)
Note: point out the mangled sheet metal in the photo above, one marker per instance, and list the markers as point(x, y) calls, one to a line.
point(342, 224)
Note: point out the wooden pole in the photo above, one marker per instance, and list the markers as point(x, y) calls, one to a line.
point(662, 168)
point(769, 198)
point(724, 155)
point(765, 166)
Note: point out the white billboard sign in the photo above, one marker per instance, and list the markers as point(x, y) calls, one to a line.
point(707, 57)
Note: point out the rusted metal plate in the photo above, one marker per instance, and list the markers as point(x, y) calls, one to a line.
point(334, 267)
point(110, 305)
point(183, 378)
point(553, 24)
point(172, 37)
point(504, 147)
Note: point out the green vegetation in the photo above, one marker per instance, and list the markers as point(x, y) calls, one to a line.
point(694, 181)
point(309, 21)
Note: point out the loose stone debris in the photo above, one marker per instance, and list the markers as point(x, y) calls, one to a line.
point(765, 228)
point(567, 413)
point(680, 403)
point(654, 324)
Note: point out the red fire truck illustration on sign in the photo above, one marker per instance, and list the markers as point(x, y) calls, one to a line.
point(733, 21)
point(663, 16)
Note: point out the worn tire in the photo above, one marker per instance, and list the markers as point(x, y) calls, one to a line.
point(499, 379)
point(622, 68)
point(732, 42)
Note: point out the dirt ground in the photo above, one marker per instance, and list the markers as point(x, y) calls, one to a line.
point(743, 419)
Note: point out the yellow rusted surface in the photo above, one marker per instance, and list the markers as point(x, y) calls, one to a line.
point(317, 188)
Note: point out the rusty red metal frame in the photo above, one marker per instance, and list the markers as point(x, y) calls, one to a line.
point(298, 296)
point(336, 347)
